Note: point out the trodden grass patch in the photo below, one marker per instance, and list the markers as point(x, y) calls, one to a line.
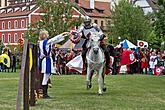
point(124, 92)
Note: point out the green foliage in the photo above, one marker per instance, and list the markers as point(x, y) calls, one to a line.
point(56, 18)
point(161, 3)
point(154, 41)
point(160, 23)
point(129, 22)
point(2, 46)
point(19, 49)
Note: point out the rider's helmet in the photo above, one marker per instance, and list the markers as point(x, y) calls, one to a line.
point(87, 21)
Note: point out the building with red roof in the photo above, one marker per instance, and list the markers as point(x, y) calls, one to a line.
point(16, 18)
point(98, 10)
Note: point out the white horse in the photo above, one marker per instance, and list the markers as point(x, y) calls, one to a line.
point(95, 62)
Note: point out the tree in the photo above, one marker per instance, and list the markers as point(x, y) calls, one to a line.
point(153, 40)
point(129, 22)
point(160, 21)
point(56, 18)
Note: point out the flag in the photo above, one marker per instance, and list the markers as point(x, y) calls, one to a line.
point(127, 57)
point(31, 58)
point(5, 59)
point(142, 44)
point(76, 64)
point(158, 70)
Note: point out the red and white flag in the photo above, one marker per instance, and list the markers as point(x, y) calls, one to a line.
point(142, 44)
point(158, 70)
point(127, 57)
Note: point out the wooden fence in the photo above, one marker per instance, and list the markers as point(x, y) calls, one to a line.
point(29, 81)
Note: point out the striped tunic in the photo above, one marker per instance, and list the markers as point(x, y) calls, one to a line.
point(45, 53)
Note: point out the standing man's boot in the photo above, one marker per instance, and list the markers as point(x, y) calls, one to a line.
point(45, 91)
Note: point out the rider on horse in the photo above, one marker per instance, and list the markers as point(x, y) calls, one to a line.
point(84, 32)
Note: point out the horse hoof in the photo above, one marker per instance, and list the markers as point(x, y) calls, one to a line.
point(90, 86)
point(104, 89)
point(87, 87)
point(99, 94)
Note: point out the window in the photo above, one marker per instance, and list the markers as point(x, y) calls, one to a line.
point(109, 22)
point(15, 37)
point(9, 24)
point(22, 24)
point(102, 23)
point(27, 0)
point(5, 2)
point(9, 38)
point(3, 38)
point(3, 24)
point(100, 10)
point(15, 24)
point(88, 10)
point(22, 35)
point(77, 1)
point(0, 3)
point(95, 21)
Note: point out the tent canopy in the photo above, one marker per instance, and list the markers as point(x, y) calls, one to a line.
point(127, 44)
point(67, 45)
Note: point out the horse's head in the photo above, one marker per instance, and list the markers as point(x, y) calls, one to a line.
point(95, 42)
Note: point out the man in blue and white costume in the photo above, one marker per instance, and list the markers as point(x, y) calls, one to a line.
point(45, 46)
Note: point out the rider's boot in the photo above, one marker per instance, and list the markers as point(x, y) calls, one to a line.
point(84, 69)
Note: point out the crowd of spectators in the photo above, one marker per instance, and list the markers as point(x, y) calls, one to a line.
point(146, 60)
point(14, 61)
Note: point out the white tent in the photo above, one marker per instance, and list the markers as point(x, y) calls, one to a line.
point(127, 44)
point(68, 45)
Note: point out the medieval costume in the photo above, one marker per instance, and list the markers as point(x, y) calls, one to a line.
point(153, 62)
point(47, 68)
point(85, 32)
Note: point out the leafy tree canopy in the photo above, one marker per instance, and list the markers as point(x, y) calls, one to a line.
point(56, 18)
point(129, 22)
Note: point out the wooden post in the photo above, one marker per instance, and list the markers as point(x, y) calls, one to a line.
point(20, 84)
point(37, 80)
point(34, 73)
point(26, 82)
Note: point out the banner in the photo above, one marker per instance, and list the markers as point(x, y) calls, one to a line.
point(158, 70)
point(142, 44)
point(31, 58)
point(5, 59)
point(76, 64)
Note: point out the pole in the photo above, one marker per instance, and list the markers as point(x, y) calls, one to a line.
point(26, 82)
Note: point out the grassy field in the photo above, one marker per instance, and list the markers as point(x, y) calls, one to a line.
point(124, 92)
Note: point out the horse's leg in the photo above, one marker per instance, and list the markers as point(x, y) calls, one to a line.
point(104, 84)
point(88, 76)
point(99, 82)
